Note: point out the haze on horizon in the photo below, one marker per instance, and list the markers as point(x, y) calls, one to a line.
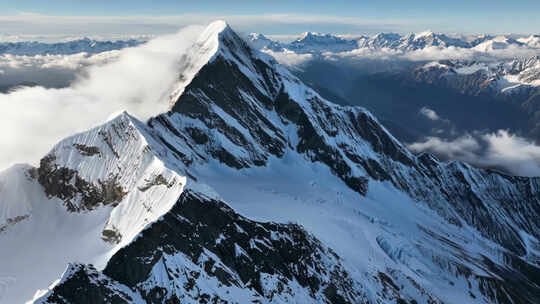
point(38, 19)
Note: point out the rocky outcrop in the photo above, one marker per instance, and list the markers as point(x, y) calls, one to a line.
point(83, 284)
point(67, 185)
point(202, 239)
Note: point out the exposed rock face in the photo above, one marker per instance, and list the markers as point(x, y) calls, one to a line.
point(202, 240)
point(66, 184)
point(85, 285)
point(12, 221)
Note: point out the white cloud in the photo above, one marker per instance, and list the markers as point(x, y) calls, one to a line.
point(500, 150)
point(289, 58)
point(429, 113)
point(433, 53)
point(138, 80)
point(72, 62)
point(463, 148)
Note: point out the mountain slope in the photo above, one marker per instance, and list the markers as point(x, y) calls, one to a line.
point(373, 223)
point(260, 111)
point(91, 195)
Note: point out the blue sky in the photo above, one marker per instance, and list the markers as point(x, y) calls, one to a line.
point(72, 17)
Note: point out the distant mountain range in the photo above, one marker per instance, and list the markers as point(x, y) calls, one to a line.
point(310, 42)
point(496, 78)
point(86, 45)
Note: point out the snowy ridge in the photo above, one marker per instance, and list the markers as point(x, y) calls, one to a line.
point(317, 42)
point(422, 40)
point(109, 182)
point(532, 41)
point(204, 49)
point(113, 164)
point(259, 41)
point(497, 43)
point(506, 77)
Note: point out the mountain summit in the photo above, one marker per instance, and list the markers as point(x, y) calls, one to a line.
point(253, 188)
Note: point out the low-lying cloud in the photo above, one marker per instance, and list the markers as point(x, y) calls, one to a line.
point(433, 53)
point(429, 113)
point(72, 61)
point(501, 150)
point(289, 58)
point(137, 79)
point(50, 71)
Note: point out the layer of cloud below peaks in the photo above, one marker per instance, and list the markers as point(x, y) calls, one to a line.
point(138, 80)
point(432, 53)
point(501, 150)
point(429, 113)
point(437, 53)
point(289, 58)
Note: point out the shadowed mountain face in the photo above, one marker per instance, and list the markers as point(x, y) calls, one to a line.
point(486, 85)
point(201, 201)
point(397, 93)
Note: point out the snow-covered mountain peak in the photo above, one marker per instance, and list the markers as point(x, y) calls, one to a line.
point(496, 43)
point(389, 36)
point(308, 35)
point(261, 42)
point(429, 39)
point(315, 37)
point(111, 165)
point(380, 40)
point(531, 41)
point(210, 40)
point(207, 47)
point(256, 36)
point(213, 30)
point(423, 34)
point(310, 42)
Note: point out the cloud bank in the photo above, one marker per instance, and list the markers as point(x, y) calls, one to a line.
point(138, 80)
point(429, 113)
point(72, 62)
point(500, 150)
point(433, 53)
point(289, 58)
point(51, 71)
